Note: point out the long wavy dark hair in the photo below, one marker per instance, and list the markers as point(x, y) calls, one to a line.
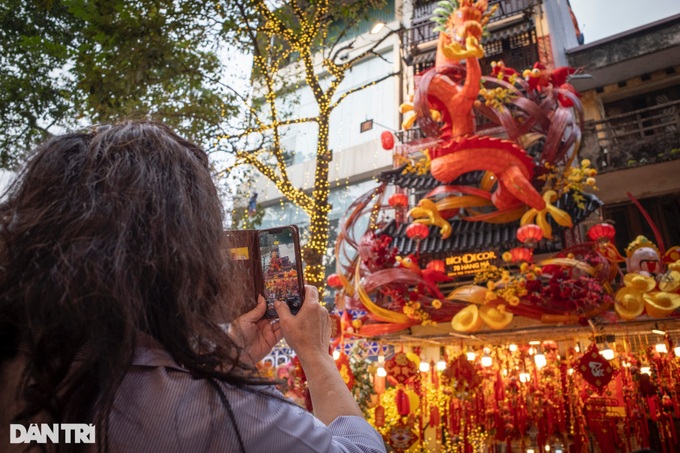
point(106, 234)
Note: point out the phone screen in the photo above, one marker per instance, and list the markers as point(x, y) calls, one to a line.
point(279, 255)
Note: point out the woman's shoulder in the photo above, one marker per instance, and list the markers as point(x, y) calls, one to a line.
point(161, 406)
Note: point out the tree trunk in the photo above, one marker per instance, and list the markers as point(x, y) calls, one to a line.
point(319, 224)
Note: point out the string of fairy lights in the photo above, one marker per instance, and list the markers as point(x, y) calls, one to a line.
point(284, 41)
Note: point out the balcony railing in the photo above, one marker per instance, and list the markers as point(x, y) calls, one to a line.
point(636, 138)
point(639, 137)
point(421, 31)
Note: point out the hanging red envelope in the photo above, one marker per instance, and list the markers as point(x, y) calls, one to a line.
point(595, 369)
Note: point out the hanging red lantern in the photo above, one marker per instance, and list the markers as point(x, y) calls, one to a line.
point(387, 140)
point(417, 231)
point(436, 265)
point(398, 200)
point(602, 232)
point(334, 281)
point(522, 254)
point(529, 234)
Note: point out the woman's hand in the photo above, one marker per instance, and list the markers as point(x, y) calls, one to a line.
point(255, 334)
point(309, 334)
point(309, 331)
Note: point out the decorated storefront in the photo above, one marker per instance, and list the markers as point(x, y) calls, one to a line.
point(485, 307)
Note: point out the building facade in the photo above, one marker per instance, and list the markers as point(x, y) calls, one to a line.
point(629, 86)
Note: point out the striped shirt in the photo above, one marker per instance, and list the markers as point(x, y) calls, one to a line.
point(161, 407)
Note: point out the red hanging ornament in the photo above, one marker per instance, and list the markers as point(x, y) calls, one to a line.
point(379, 383)
point(398, 200)
point(334, 281)
point(529, 234)
point(401, 369)
point(595, 369)
point(521, 254)
point(602, 232)
point(417, 231)
point(342, 363)
point(403, 403)
point(379, 415)
point(402, 435)
point(436, 265)
point(387, 140)
point(435, 418)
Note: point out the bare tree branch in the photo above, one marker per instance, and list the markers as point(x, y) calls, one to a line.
point(362, 87)
point(271, 126)
point(370, 50)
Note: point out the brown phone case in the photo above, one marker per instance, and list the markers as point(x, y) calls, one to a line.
point(241, 248)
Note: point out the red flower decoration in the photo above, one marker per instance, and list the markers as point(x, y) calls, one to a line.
point(417, 231)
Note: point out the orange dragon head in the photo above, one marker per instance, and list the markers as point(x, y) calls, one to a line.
point(460, 22)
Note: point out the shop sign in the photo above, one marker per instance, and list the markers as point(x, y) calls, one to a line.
point(469, 263)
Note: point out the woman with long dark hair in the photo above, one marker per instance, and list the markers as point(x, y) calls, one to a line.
point(112, 283)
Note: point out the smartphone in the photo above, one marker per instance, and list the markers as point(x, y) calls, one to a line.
point(281, 265)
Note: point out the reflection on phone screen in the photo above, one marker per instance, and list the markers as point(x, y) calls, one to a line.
point(279, 266)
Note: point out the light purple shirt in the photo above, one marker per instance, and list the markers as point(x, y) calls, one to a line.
point(160, 407)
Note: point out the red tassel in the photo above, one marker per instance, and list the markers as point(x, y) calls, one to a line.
point(403, 404)
point(435, 418)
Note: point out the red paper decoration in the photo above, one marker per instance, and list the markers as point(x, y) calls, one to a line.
point(398, 200)
point(334, 281)
point(417, 231)
point(595, 369)
point(529, 234)
point(602, 232)
point(387, 140)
